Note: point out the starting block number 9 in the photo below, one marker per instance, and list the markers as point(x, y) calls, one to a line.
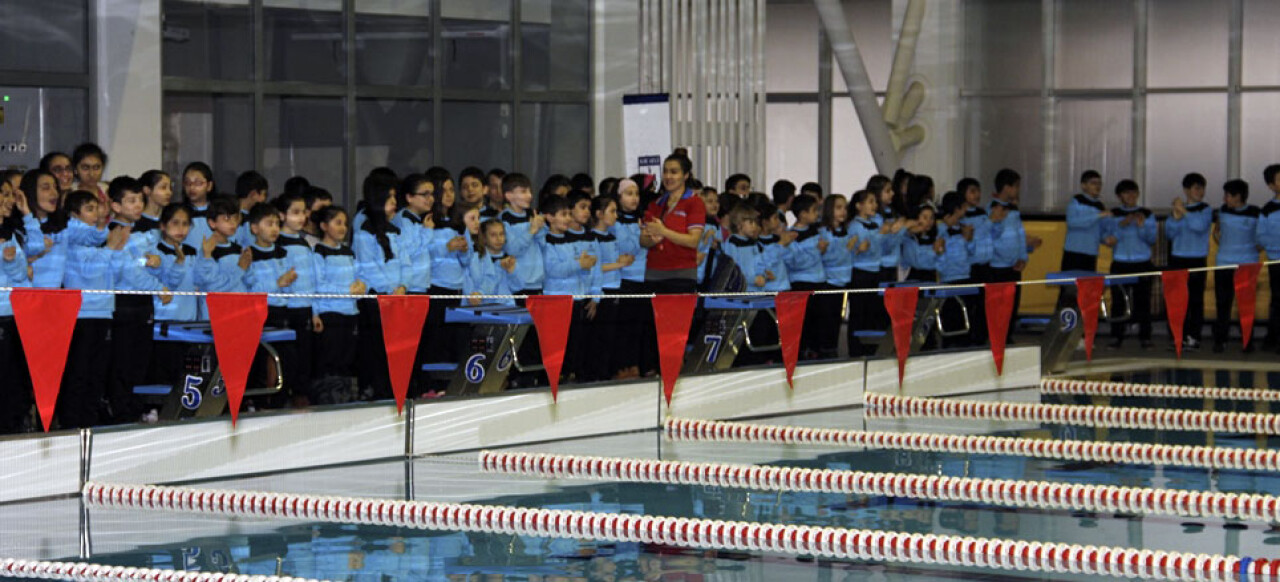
point(475, 368)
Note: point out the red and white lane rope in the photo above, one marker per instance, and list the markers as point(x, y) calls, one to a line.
point(890, 406)
point(1067, 450)
point(1092, 388)
point(1043, 495)
point(848, 544)
point(39, 570)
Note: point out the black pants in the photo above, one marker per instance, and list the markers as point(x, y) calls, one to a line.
point(602, 334)
point(1009, 275)
point(922, 275)
point(1072, 261)
point(1194, 324)
point(629, 346)
point(1273, 319)
point(952, 314)
point(817, 323)
point(15, 386)
point(827, 311)
point(335, 347)
point(131, 328)
point(84, 383)
point(866, 310)
point(1140, 293)
point(977, 305)
point(375, 380)
point(1224, 292)
point(278, 318)
point(445, 341)
point(649, 363)
point(298, 374)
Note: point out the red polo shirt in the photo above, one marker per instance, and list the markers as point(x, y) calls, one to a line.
point(688, 213)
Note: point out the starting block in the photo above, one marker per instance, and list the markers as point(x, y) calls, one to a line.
point(203, 393)
point(497, 332)
point(928, 318)
point(726, 333)
point(1064, 331)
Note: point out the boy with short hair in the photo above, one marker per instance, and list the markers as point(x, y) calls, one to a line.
point(1085, 215)
point(494, 198)
point(1188, 231)
point(743, 248)
point(1269, 240)
point(90, 265)
point(131, 321)
point(222, 263)
point(783, 193)
point(472, 187)
point(1008, 237)
point(804, 265)
point(315, 199)
point(568, 267)
point(299, 313)
point(774, 248)
point(1130, 231)
point(269, 272)
point(524, 230)
point(251, 190)
point(1237, 237)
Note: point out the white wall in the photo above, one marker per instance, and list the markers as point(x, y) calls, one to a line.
point(616, 72)
point(127, 84)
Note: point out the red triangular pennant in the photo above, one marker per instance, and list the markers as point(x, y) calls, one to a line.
point(1246, 283)
point(790, 307)
point(672, 315)
point(552, 315)
point(999, 299)
point(46, 319)
point(402, 320)
point(1175, 304)
point(1089, 293)
point(900, 302)
point(237, 320)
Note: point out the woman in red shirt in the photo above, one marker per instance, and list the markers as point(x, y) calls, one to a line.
point(672, 228)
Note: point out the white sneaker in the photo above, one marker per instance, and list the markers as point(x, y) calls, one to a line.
point(1190, 343)
point(151, 417)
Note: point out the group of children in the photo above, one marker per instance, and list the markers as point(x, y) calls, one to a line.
point(417, 234)
point(1241, 232)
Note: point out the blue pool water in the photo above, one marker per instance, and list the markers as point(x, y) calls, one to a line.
point(383, 554)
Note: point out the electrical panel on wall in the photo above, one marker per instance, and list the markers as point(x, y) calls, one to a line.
point(22, 136)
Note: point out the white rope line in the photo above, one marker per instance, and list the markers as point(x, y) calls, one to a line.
point(41, 570)
point(937, 287)
point(847, 544)
point(1039, 495)
point(1098, 388)
point(889, 406)
point(1067, 450)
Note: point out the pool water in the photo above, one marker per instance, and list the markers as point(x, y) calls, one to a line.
point(384, 554)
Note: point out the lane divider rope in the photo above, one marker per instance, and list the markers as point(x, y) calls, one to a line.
point(1096, 388)
point(891, 406)
point(1067, 450)
point(42, 570)
point(847, 544)
point(1039, 495)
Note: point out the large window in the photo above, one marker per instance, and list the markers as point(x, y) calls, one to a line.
point(330, 89)
point(44, 78)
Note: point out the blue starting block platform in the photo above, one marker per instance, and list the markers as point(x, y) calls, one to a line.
point(726, 332)
point(493, 350)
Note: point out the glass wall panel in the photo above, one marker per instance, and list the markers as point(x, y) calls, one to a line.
point(1007, 133)
point(1260, 143)
point(791, 130)
point(1187, 43)
point(215, 129)
point(45, 36)
point(791, 47)
point(851, 161)
point(393, 133)
point(305, 44)
point(1185, 133)
point(476, 134)
point(393, 42)
point(477, 44)
point(1094, 44)
point(304, 137)
point(1261, 43)
point(554, 139)
point(208, 39)
point(1004, 47)
point(555, 44)
point(1093, 134)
